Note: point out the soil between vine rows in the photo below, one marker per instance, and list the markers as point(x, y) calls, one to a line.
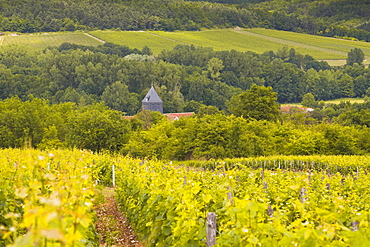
point(112, 225)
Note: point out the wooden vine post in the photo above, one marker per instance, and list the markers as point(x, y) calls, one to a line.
point(303, 195)
point(270, 211)
point(211, 229)
point(113, 176)
point(355, 225)
point(230, 194)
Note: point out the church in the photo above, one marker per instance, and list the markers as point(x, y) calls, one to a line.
point(153, 102)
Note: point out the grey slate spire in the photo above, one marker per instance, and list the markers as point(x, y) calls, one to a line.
point(152, 102)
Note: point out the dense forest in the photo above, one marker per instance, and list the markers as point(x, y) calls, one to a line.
point(121, 76)
point(341, 18)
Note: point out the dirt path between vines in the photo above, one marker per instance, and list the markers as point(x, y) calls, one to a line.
point(112, 225)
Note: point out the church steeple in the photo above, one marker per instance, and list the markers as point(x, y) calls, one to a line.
point(152, 102)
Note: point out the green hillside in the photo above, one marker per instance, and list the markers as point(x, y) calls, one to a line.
point(331, 45)
point(136, 39)
point(255, 40)
point(243, 40)
point(331, 18)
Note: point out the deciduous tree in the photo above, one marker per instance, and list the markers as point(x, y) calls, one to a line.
point(356, 55)
point(258, 103)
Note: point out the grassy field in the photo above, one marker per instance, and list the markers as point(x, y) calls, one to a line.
point(41, 41)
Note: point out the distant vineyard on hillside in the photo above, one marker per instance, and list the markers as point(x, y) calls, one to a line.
point(255, 40)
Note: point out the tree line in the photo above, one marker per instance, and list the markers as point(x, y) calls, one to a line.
point(185, 77)
point(257, 127)
point(37, 123)
point(324, 17)
point(219, 136)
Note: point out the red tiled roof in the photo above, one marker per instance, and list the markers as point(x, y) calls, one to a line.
point(288, 108)
point(176, 116)
point(170, 116)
